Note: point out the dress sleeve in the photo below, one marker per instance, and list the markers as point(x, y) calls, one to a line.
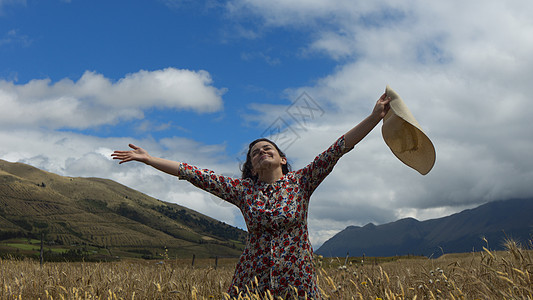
point(315, 172)
point(224, 187)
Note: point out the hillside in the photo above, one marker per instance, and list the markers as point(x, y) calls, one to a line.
point(461, 232)
point(103, 214)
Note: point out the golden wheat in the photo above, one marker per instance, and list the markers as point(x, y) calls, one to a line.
point(482, 275)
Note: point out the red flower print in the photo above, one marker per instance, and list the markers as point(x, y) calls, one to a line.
point(283, 281)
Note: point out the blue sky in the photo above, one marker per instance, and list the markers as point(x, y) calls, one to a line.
point(59, 39)
point(196, 81)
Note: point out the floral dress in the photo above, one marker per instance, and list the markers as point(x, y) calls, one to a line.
point(278, 254)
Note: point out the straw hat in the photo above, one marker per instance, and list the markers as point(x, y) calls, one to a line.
point(405, 138)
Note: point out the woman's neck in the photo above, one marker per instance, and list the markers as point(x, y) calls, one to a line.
point(270, 176)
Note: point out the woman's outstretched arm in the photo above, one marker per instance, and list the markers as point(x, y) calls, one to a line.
point(356, 134)
point(140, 155)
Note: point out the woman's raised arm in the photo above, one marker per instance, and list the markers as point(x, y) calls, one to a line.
point(356, 134)
point(140, 155)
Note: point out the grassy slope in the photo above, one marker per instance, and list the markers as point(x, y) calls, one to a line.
point(103, 213)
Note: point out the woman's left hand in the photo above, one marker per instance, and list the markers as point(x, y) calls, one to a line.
point(382, 107)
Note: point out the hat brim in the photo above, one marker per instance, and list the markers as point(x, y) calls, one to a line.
point(405, 138)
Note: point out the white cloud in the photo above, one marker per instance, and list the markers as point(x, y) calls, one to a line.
point(10, 2)
point(13, 37)
point(94, 100)
point(295, 13)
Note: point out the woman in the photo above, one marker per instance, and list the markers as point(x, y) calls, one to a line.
point(274, 202)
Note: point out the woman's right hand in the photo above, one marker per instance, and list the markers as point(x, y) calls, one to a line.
point(137, 154)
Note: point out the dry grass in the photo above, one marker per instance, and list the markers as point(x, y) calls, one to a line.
point(483, 275)
point(137, 279)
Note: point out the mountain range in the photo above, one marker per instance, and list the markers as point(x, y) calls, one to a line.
point(69, 212)
point(488, 225)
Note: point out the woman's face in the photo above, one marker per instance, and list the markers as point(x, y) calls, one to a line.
point(265, 156)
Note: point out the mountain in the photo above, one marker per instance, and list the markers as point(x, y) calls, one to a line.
point(485, 226)
point(103, 214)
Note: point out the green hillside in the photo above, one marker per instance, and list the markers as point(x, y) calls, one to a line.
point(100, 217)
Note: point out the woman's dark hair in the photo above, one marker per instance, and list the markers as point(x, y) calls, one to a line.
point(247, 167)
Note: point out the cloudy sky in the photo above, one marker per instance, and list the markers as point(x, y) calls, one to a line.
point(196, 81)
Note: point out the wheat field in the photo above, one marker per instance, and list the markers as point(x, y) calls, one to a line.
point(481, 275)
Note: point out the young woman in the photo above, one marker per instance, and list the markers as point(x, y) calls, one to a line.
point(274, 202)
